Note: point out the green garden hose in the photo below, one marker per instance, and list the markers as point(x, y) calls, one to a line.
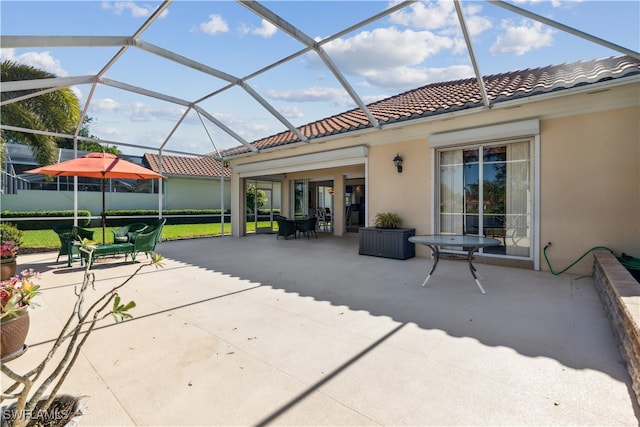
point(626, 260)
point(629, 261)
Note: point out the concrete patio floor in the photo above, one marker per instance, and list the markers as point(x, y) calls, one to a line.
point(259, 331)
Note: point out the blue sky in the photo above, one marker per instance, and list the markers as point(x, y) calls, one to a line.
point(419, 45)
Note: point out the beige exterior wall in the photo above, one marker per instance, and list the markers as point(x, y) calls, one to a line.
point(406, 194)
point(589, 169)
point(590, 186)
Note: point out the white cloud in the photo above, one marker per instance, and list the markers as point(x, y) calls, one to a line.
point(522, 38)
point(135, 9)
point(109, 131)
point(554, 3)
point(388, 57)
point(40, 60)
point(441, 17)
point(136, 111)
point(385, 47)
point(310, 94)
point(248, 129)
point(292, 112)
point(7, 54)
point(477, 24)
point(427, 16)
point(405, 78)
point(215, 24)
point(266, 30)
point(105, 104)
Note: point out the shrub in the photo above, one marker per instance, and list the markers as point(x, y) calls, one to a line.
point(10, 233)
point(84, 219)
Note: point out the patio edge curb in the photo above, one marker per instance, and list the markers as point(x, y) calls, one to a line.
point(620, 296)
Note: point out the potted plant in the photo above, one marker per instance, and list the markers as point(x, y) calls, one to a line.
point(31, 405)
point(387, 239)
point(16, 296)
point(387, 220)
point(10, 238)
point(8, 264)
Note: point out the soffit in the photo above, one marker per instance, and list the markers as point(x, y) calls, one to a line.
point(320, 160)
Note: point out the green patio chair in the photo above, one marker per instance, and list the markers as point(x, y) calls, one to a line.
point(125, 234)
point(70, 238)
point(146, 240)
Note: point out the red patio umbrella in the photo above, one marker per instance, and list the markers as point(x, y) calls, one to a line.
point(98, 165)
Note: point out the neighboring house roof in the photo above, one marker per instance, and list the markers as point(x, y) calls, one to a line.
point(185, 166)
point(446, 97)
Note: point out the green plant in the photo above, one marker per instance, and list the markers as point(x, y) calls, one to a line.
point(10, 233)
point(8, 251)
point(256, 198)
point(17, 293)
point(387, 220)
point(30, 405)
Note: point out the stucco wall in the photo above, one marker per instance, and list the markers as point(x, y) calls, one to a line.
point(33, 200)
point(590, 186)
point(195, 193)
point(181, 193)
point(589, 195)
point(407, 194)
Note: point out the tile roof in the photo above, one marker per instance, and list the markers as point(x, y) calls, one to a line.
point(186, 166)
point(445, 97)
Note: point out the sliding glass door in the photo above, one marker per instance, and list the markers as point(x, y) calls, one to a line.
point(486, 190)
point(300, 198)
point(263, 203)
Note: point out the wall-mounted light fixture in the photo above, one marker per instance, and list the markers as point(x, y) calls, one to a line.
point(397, 160)
point(330, 191)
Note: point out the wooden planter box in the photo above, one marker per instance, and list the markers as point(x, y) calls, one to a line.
point(387, 242)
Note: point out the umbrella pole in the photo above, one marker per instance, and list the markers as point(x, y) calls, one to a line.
point(104, 218)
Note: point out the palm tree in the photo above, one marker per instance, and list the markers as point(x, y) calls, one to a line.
point(57, 111)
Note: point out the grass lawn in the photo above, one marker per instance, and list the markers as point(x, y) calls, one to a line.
point(48, 239)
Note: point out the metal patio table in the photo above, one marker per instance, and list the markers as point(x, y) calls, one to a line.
point(473, 243)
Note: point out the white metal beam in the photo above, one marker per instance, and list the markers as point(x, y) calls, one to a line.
point(98, 140)
point(225, 128)
point(320, 43)
point(17, 42)
point(18, 85)
point(273, 111)
point(145, 92)
point(476, 68)
point(565, 28)
point(174, 57)
point(294, 32)
point(27, 96)
point(156, 13)
point(175, 127)
point(224, 76)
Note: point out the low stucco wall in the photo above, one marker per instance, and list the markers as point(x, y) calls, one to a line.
point(620, 295)
point(34, 200)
